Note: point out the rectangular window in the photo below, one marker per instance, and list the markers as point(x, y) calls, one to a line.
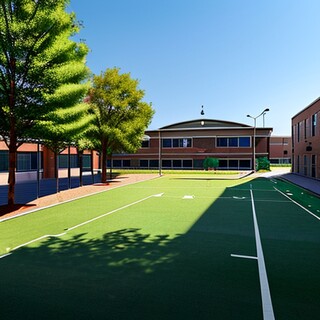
point(233, 164)
point(143, 163)
point(167, 143)
point(154, 163)
point(126, 163)
point(222, 142)
point(86, 161)
point(116, 163)
point(187, 163)
point(244, 142)
point(244, 164)
point(145, 144)
point(313, 166)
point(176, 163)
point(176, 143)
point(233, 142)
point(223, 164)
point(314, 124)
point(166, 163)
point(23, 161)
point(4, 160)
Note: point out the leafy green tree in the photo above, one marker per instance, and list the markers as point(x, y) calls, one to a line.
point(41, 71)
point(121, 116)
point(210, 163)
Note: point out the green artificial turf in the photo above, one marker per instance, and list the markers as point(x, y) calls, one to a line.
point(147, 256)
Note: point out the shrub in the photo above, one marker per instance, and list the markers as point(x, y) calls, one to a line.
point(210, 163)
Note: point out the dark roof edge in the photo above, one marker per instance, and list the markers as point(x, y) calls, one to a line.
point(195, 120)
point(308, 106)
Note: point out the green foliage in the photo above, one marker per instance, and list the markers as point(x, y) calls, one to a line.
point(42, 74)
point(41, 68)
point(263, 163)
point(120, 115)
point(210, 163)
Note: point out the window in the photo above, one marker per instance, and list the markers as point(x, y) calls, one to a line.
point(176, 163)
point(222, 142)
point(176, 143)
point(86, 161)
point(244, 142)
point(167, 143)
point(145, 144)
point(126, 163)
point(63, 161)
point(166, 163)
point(154, 163)
point(187, 163)
point(116, 163)
point(4, 160)
point(23, 162)
point(233, 142)
point(314, 124)
point(143, 163)
point(244, 164)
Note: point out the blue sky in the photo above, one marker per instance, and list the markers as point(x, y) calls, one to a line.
point(233, 57)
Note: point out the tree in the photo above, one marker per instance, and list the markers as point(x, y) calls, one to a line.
point(210, 163)
point(41, 70)
point(120, 115)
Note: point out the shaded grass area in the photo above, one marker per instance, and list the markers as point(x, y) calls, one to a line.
point(166, 257)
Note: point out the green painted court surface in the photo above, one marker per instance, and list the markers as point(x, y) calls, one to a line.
point(176, 247)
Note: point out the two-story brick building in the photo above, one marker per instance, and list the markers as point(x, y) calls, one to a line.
point(185, 145)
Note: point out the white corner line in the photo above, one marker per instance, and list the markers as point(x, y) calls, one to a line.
point(267, 308)
point(243, 257)
point(298, 204)
point(5, 255)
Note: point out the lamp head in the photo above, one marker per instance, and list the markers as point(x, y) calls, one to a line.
point(265, 110)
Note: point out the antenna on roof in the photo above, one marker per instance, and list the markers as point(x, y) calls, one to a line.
point(202, 112)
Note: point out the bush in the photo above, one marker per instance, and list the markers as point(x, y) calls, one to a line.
point(210, 163)
point(263, 164)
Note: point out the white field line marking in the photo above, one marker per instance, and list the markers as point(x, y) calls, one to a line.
point(82, 224)
point(264, 285)
point(298, 204)
point(244, 257)
point(113, 211)
point(5, 255)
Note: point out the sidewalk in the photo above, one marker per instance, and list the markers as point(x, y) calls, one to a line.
point(310, 184)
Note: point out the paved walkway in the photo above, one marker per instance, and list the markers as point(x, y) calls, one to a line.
point(307, 183)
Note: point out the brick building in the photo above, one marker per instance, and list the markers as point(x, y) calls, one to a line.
point(280, 149)
point(306, 141)
point(185, 145)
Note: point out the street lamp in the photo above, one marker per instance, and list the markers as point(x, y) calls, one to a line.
point(254, 134)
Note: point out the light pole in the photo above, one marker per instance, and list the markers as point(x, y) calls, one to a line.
point(159, 154)
point(254, 134)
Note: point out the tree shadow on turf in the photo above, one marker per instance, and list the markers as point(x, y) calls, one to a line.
point(126, 274)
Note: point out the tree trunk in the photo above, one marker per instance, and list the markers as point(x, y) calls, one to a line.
point(12, 170)
point(56, 170)
point(80, 154)
point(104, 163)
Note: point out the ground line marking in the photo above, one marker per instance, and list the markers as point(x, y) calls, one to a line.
point(80, 224)
point(264, 285)
point(243, 256)
point(298, 204)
